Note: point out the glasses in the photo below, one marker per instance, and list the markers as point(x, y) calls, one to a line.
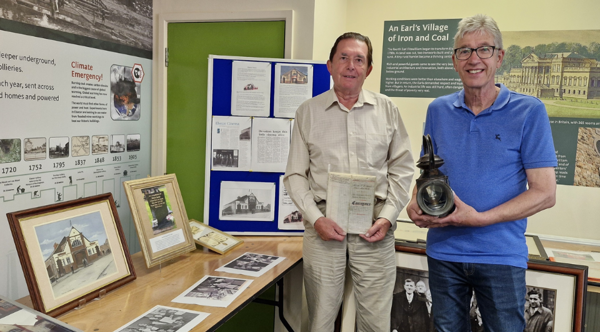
point(483, 52)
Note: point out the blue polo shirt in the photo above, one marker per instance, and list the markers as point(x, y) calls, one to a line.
point(485, 157)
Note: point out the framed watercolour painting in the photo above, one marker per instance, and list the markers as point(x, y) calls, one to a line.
point(213, 238)
point(160, 218)
point(71, 252)
point(560, 289)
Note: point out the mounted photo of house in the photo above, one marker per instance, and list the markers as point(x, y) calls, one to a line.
point(247, 201)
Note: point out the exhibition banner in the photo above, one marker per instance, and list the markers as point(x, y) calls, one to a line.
point(417, 58)
point(76, 123)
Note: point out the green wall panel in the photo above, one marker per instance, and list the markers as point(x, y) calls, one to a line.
point(189, 47)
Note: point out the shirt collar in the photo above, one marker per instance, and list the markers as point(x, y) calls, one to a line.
point(501, 101)
point(363, 98)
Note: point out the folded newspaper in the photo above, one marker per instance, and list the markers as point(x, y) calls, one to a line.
point(350, 201)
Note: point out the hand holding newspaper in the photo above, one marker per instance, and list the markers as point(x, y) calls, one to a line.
point(350, 201)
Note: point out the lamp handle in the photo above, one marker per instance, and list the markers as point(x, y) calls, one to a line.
point(428, 149)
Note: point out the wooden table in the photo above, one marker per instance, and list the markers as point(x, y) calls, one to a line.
point(161, 284)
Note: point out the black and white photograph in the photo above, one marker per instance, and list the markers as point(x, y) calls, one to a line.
point(161, 318)
point(76, 252)
point(34, 148)
point(99, 144)
point(80, 146)
point(214, 291)
point(133, 142)
point(247, 201)
point(411, 305)
point(15, 317)
point(125, 94)
point(10, 150)
point(127, 22)
point(117, 143)
point(226, 158)
point(539, 311)
point(289, 217)
point(251, 264)
point(59, 147)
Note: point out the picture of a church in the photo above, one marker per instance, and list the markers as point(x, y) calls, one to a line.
point(294, 76)
point(73, 252)
point(244, 205)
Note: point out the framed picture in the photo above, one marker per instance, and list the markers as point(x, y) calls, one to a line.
point(17, 317)
point(559, 288)
point(71, 251)
point(213, 238)
point(160, 218)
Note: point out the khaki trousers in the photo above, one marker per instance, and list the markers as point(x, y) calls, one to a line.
point(373, 270)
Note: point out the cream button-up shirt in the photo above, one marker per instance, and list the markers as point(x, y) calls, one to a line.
point(368, 139)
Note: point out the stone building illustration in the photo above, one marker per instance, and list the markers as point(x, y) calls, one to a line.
point(294, 76)
point(73, 252)
point(555, 75)
point(245, 204)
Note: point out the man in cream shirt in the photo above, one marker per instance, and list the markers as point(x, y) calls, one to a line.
point(349, 130)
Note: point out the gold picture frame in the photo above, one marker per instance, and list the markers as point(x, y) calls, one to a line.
point(160, 218)
point(212, 238)
point(71, 252)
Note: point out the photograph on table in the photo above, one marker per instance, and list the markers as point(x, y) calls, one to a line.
point(555, 298)
point(247, 201)
point(161, 318)
point(213, 238)
point(214, 291)
point(160, 218)
point(15, 317)
point(251, 264)
point(71, 251)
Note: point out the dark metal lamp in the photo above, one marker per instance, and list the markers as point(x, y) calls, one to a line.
point(434, 194)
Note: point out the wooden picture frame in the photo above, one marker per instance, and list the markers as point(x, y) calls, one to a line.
point(567, 281)
point(160, 218)
point(23, 313)
point(213, 238)
point(71, 252)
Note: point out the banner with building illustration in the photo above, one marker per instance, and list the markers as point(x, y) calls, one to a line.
point(75, 96)
point(562, 69)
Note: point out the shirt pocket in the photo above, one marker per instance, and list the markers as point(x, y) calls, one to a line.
point(376, 150)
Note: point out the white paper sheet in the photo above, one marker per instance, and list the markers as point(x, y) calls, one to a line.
point(270, 144)
point(247, 201)
point(161, 318)
point(214, 291)
point(294, 86)
point(350, 201)
point(250, 88)
point(231, 143)
point(290, 218)
point(251, 264)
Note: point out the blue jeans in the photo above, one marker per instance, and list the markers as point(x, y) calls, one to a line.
point(500, 291)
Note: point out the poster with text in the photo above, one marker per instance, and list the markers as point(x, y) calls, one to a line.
point(270, 144)
point(417, 58)
point(77, 124)
point(250, 88)
point(231, 143)
point(295, 85)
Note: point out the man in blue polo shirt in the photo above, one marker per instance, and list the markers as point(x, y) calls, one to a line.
point(499, 157)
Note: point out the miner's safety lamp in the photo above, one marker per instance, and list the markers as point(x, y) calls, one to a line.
point(434, 194)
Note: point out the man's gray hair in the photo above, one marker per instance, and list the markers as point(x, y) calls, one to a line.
point(479, 23)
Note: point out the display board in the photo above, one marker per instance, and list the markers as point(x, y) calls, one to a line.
point(251, 100)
